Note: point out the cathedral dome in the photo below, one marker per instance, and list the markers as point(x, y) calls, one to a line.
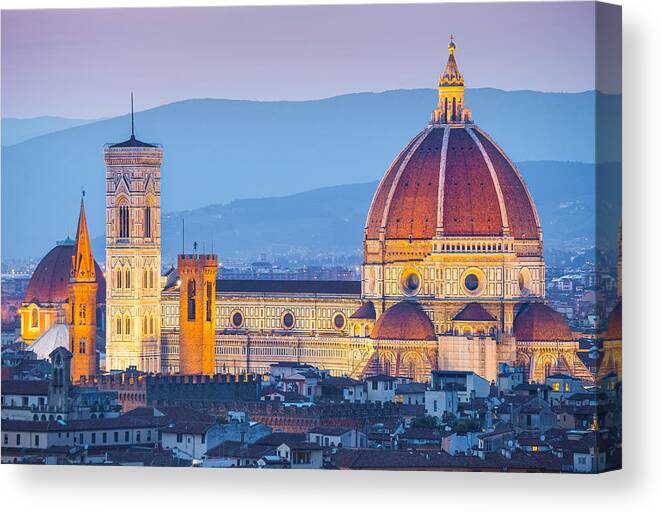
point(453, 180)
point(50, 281)
point(404, 321)
point(539, 322)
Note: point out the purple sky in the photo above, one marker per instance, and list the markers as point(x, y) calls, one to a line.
point(84, 63)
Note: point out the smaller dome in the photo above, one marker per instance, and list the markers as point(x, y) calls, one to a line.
point(537, 321)
point(614, 326)
point(54, 337)
point(404, 321)
point(50, 280)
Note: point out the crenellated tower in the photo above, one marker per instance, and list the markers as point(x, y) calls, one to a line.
point(133, 253)
point(82, 304)
point(197, 313)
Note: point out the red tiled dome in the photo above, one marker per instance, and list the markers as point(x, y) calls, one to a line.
point(614, 327)
point(539, 322)
point(404, 321)
point(50, 280)
point(456, 185)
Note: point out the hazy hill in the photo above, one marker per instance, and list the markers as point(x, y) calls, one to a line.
point(17, 130)
point(220, 150)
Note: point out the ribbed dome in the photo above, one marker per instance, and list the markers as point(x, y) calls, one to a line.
point(539, 322)
point(404, 321)
point(50, 280)
point(454, 180)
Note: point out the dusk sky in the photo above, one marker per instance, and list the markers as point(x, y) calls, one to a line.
point(84, 63)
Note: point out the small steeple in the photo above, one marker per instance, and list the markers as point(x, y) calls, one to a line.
point(82, 261)
point(451, 108)
point(451, 75)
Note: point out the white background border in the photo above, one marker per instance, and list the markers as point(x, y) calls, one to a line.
point(636, 488)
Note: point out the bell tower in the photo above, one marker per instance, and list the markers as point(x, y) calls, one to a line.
point(133, 253)
point(82, 304)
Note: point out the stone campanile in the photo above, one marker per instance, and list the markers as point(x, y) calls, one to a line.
point(197, 319)
point(133, 254)
point(82, 304)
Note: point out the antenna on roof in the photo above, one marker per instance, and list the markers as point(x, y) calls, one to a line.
point(183, 236)
point(132, 123)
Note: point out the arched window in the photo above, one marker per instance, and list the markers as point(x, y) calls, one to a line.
point(151, 324)
point(191, 300)
point(118, 325)
point(34, 318)
point(454, 109)
point(82, 313)
point(123, 221)
point(148, 221)
point(127, 281)
point(144, 325)
point(151, 278)
point(82, 346)
point(144, 278)
point(127, 325)
point(118, 278)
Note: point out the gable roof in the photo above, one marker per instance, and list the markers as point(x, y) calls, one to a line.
point(473, 312)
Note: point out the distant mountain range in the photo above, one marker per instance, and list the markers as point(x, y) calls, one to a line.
point(328, 222)
point(217, 151)
point(17, 130)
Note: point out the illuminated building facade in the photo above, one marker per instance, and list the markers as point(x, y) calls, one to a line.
point(133, 254)
point(453, 274)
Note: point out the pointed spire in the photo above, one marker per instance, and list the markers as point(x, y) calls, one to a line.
point(82, 264)
point(451, 75)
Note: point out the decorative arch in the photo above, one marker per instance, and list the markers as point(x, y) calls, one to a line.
point(388, 363)
point(412, 366)
point(543, 366)
point(34, 318)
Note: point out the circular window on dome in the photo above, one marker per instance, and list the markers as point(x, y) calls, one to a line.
point(288, 320)
point(339, 321)
point(236, 319)
point(471, 282)
point(410, 282)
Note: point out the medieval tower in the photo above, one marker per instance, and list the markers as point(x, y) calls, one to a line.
point(133, 254)
point(197, 313)
point(82, 304)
